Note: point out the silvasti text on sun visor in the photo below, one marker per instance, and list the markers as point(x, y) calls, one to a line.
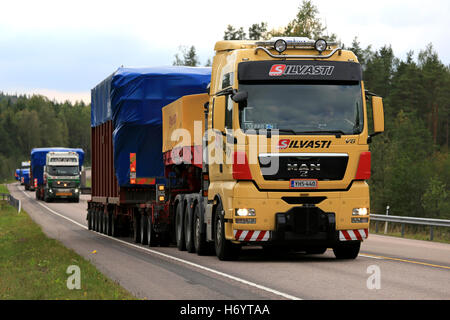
point(299, 70)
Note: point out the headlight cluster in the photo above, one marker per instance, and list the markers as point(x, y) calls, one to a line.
point(245, 212)
point(360, 212)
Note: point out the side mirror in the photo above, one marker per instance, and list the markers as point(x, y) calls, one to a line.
point(239, 96)
point(378, 114)
point(219, 114)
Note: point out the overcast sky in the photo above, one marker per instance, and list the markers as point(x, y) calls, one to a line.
point(62, 49)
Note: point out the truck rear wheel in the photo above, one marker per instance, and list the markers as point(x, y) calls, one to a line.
point(188, 230)
point(347, 250)
point(179, 227)
point(201, 246)
point(225, 250)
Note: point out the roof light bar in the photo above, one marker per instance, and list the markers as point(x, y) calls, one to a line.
point(296, 42)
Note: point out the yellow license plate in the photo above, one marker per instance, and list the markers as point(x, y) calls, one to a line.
point(64, 194)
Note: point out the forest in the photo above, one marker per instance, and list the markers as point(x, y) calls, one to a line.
point(410, 160)
point(28, 122)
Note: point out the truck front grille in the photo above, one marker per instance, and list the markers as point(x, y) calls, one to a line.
point(68, 184)
point(303, 166)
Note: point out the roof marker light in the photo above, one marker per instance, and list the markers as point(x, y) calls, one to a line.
point(280, 45)
point(320, 45)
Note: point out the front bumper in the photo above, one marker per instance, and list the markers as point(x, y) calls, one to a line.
point(64, 193)
point(280, 218)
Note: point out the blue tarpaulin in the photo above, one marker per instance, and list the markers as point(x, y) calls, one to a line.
point(38, 158)
point(133, 98)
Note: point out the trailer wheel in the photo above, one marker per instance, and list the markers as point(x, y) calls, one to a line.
point(136, 228)
point(188, 230)
point(225, 250)
point(179, 227)
point(144, 227)
point(105, 222)
point(151, 238)
point(94, 220)
point(347, 250)
point(114, 226)
point(107, 218)
point(100, 221)
point(89, 219)
point(201, 246)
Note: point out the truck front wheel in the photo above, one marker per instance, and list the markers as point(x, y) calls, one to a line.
point(347, 250)
point(225, 250)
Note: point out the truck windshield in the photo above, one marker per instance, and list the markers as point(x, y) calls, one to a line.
point(63, 170)
point(310, 108)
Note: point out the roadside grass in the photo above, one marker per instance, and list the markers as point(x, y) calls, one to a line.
point(416, 232)
point(3, 188)
point(34, 267)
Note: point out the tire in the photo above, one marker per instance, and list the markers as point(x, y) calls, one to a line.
point(225, 250)
point(95, 220)
point(151, 238)
point(114, 226)
point(89, 219)
point(37, 194)
point(189, 230)
point(101, 217)
point(179, 227)
point(201, 246)
point(105, 223)
point(144, 225)
point(108, 223)
point(136, 228)
point(347, 250)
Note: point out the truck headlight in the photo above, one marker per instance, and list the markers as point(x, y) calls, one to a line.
point(50, 190)
point(360, 212)
point(243, 212)
point(76, 190)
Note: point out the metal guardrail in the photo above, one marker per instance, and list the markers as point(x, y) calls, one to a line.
point(12, 201)
point(410, 220)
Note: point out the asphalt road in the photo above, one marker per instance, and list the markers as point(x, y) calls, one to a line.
point(406, 269)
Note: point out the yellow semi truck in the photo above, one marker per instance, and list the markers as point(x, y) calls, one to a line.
point(284, 135)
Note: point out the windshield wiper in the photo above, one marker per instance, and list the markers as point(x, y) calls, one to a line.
point(337, 133)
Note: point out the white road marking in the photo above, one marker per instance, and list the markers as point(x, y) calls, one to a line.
point(249, 283)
